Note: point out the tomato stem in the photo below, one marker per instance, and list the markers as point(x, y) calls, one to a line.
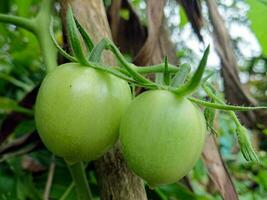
point(242, 135)
point(128, 66)
point(18, 21)
point(220, 106)
point(79, 177)
point(159, 68)
point(42, 23)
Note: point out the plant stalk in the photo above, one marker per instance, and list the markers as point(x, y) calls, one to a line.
point(42, 25)
point(80, 180)
point(22, 22)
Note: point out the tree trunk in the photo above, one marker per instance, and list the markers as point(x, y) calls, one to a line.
point(115, 180)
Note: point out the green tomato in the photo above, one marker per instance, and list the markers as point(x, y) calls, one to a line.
point(78, 111)
point(162, 136)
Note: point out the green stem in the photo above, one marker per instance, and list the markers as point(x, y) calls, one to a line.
point(235, 108)
point(222, 106)
point(42, 24)
point(159, 68)
point(23, 110)
point(160, 194)
point(79, 177)
point(22, 22)
point(128, 66)
point(67, 191)
point(242, 135)
point(15, 82)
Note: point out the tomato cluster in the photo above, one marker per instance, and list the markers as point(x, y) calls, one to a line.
point(78, 115)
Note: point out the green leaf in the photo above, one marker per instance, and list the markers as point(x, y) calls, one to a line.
point(96, 53)
point(166, 74)
point(15, 82)
point(125, 14)
point(7, 182)
point(73, 36)
point(262, 178)
point(209, 114)
point(178, 191)
point(242, 133)
point(60, 50)
point(183, 17)
point(86, 38)
point(245, 144)
point(4, 6)
point(23, 7)
point(24, 127)
point(7, 105)
point(181, 75)
point(24, 185)
point(193, 84)
point(258, 17)
point(159, 78)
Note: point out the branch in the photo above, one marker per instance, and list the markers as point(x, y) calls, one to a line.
point(19, 21)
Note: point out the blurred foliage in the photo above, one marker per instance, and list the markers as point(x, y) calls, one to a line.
point(20, 54)
point(23, 174)
point(258, 16)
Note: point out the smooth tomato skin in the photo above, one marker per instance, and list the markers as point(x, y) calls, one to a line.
point(162, 136)
point(78, 111)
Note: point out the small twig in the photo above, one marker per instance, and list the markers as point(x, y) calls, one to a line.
point(23, 151)
point(49, 181)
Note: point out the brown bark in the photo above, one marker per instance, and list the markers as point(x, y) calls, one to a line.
point(217, 170)
point(150, 47)
point(116, 181)
point(128, 34)
point(193, 12)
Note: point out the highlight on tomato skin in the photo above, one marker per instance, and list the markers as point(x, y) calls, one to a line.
point(78, 111)
point(162, 136)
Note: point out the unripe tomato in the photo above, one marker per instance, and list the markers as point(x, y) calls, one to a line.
point(78, 111)
point(162, 136)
